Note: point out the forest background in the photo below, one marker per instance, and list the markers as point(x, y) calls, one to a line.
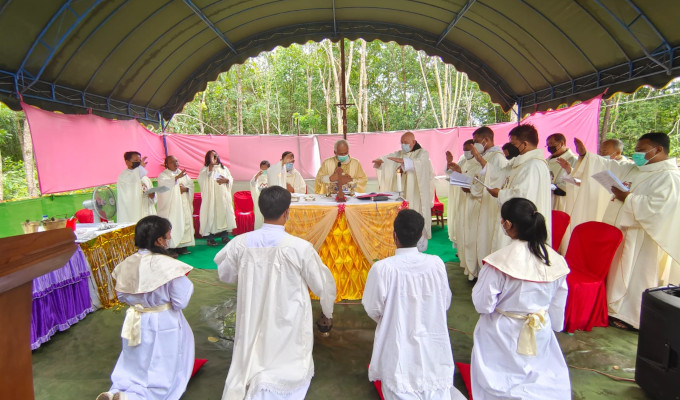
point(295, 90)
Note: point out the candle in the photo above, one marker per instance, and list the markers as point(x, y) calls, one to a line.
point(399, 182)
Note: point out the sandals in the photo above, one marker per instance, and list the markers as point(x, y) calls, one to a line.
point(617, 323)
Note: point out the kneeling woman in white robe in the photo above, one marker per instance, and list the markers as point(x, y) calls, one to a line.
point(520, 295)
point(158, 345)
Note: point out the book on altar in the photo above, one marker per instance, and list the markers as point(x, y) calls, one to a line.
point(607, 179)
point(458, 179)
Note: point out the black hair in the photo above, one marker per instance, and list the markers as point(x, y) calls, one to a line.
point(558, 137)
point(128, 155)
point(484, 132)
point(265, 162)
point(529, 225)
point(468, 142)
point(148, 230)
point(208, 158)
point(512, 150)
point(273, 202)
point(525, 133)
point(285, 153)
point(408, 225)
point(658, 139)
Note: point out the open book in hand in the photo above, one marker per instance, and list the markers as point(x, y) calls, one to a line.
point(458, 179)
point(607, 179)
point(157, 189)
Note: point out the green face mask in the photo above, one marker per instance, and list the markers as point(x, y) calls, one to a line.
point(639, 157)
point(343, 158)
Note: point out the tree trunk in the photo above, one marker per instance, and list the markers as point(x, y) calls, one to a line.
point(239, 101)
point(336, 82)
point(427, 90)
point(440, 93)
point(364, 88)
point(29, 165)
point(605, 120)
point(201, 127)
point(362, 72)
point(325, 88)
point(309, 87)
point(615, 108)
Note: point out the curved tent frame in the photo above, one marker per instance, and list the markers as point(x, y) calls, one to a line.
point(147, 59)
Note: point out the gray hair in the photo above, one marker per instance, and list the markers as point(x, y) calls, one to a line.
point(617, 143)
point(338, 143)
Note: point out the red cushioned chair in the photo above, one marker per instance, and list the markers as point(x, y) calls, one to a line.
point(560, 222)
point(591, 249)
point(243, 208)
point(86, 216)
point(196, 216)
point(438, 210)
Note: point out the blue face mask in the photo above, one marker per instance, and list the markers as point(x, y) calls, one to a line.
point(289, 166)
point(639, 158)
point(405, 147)
point(343, 158)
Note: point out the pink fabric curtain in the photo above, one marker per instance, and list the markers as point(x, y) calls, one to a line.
point(79, 151)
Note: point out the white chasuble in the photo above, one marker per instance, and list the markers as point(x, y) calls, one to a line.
point(417, 181)
point(177, 207)
point(148, 204)
point(528, 178)
point(558, 174)
point(129, 196)
point(217, 210)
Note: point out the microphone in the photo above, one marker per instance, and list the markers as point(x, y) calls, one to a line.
point(339, 164)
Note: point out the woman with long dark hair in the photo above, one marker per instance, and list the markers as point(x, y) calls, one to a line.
point(217, 210)
point(158, 346)
point(520, 295)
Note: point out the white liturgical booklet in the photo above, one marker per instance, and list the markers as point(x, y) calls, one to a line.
point(458, 179)
point(158, 189)
point(607, 179)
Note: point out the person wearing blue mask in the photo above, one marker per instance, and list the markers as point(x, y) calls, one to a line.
point(649, 218)
point(417, 178)
point(284, 174)
point(340, 169)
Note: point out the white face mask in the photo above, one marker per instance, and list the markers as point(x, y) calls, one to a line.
point(479, 147)
point(405, 147)
point(468, 155)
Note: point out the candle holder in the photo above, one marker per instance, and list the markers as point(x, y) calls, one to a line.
point(400, 191)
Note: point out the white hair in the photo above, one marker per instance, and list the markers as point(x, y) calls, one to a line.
point(338, 143)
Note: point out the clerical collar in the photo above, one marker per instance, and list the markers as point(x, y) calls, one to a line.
point(416, 147)
point(406, 250)
point(273, 226)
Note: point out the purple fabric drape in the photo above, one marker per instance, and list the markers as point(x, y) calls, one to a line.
point(60, 299)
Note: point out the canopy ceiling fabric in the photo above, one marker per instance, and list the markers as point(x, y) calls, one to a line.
point(146, 59)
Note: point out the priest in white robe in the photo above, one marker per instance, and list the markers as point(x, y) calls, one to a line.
point(132, 203)
point(284, 174)
point(520, 295)
point(412, 349)
point(416, 178)
point(526, 176)
point(217, 209)
point(177, 204)
point(649, 218)
point(272, 356)
point(257, 183)
point(455, 193)
point(493, 165)
point(340, 169)
point(467, 214)
point(557, 147)
point(157, 357)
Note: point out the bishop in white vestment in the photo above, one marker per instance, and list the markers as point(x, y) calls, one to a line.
point(177, 204)
point(274, 271)
point(521, 301)
point(340, 167)
point(417, 177)
point(412, 349)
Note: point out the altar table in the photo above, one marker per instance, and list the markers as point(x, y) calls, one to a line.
point(349, 237)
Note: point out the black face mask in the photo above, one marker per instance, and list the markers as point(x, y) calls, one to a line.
point(552, 149)
point(136, 164)
point(512, 150)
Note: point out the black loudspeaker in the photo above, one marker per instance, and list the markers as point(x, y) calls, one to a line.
point(656, 367)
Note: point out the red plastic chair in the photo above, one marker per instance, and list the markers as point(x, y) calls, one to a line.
point(196, 216)
point(438, 210)
point(86, 216)
point(243, 208)
point(560, 222)
point(591, 249)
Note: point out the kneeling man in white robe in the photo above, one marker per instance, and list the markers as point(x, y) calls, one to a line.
point(412, 349)
point(272, 357)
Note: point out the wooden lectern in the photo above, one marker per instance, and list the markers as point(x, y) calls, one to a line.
point(24, 258)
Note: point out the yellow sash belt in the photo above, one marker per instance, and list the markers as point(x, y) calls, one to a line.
point(526, 344)
point(132, 326)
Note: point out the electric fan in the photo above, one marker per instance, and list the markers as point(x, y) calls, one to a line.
point(103, 204)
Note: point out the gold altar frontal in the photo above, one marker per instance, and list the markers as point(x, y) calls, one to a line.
point(348, 237)
point(103, 253)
